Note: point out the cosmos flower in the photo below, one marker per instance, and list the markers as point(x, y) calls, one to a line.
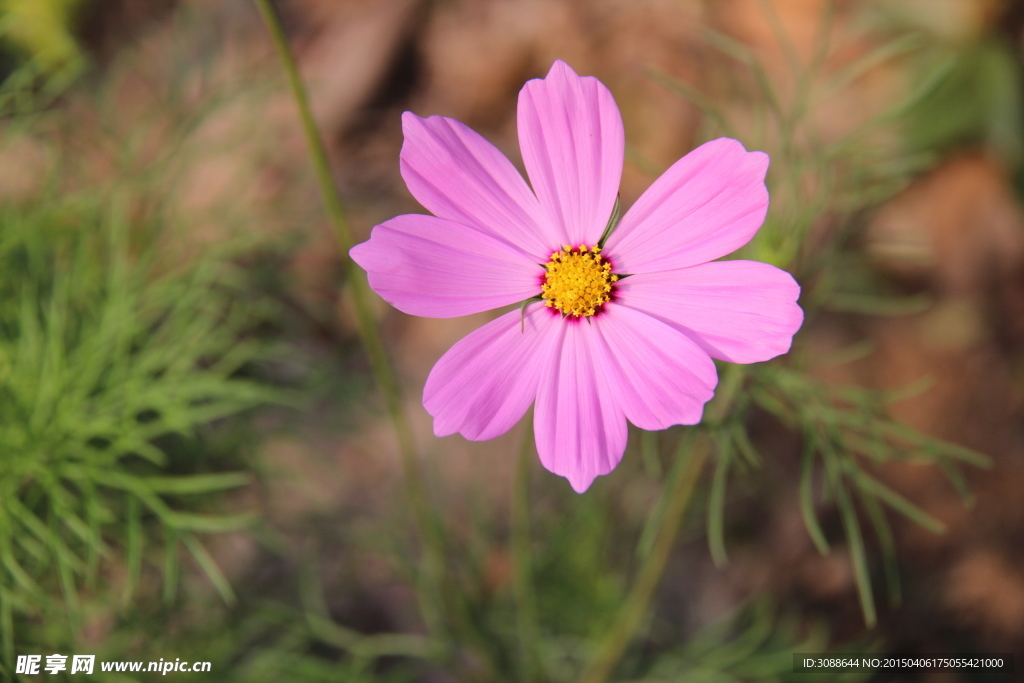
point(623, 329)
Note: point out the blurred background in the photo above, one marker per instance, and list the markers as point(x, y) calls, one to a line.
point(196, 463)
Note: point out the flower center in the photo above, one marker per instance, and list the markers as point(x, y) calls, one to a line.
point(578, 280)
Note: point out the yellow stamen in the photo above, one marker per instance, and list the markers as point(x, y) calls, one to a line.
point(578, 280)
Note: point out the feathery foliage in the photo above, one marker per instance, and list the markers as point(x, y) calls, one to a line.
point(831, 184)
point(112, 357)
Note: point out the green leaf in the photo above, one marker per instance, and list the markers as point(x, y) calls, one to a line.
point(879, 305)
point(210, 568)
point(744, 446)
point(170, 564)
point(807, 501)
point(871, 59)
point(650, 529)
point(854, 539)
point(716, 502)
point(522, 311)
point(744, 55)
point(186, 521)
point(888, 547)
point(50, 540)
point(196, 483)
point(6, 625)
point(613, 221)
point(873, 487)
point(134, 547)
point(958, 481)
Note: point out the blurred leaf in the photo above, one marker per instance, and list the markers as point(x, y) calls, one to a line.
point(110, 353)
point(887, 545)
point(897, 502)
point(42, 29)
point(650, 453)
point(807, 501)
point(716, 501)
point(210, 568)
point(877, 305)
point(198, 483)
point(979, 100)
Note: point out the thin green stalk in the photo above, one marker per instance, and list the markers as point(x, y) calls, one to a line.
point(522, 559)
point(384, 375)
point(633, 612)
point(649, 451)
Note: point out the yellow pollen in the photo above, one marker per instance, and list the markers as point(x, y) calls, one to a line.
point(578, 280)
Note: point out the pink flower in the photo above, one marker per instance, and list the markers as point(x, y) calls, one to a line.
point(621, 331)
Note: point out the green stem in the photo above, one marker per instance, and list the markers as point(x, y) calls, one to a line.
point(427, 526)
point(526, 613)
point(633, 612)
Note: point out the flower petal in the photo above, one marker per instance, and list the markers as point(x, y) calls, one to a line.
point(708, 204)
point(571, 136)
point(579, 428)
point(436, 268)
point(658, 375)
point(483, 385)
point(456, 174)
point(738, 311)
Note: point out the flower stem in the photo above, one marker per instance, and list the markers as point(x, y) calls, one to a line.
point(633, 612)
point(427, 525)
point(526, 609)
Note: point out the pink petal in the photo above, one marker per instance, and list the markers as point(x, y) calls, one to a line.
point(739, 311)
point(580, 429)
point(570, 133)
point(458, 175)
point(708, 204)
point(483, 385)
point(658, 375)
point(436, 268)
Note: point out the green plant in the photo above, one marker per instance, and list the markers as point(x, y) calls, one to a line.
point(112, 358)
